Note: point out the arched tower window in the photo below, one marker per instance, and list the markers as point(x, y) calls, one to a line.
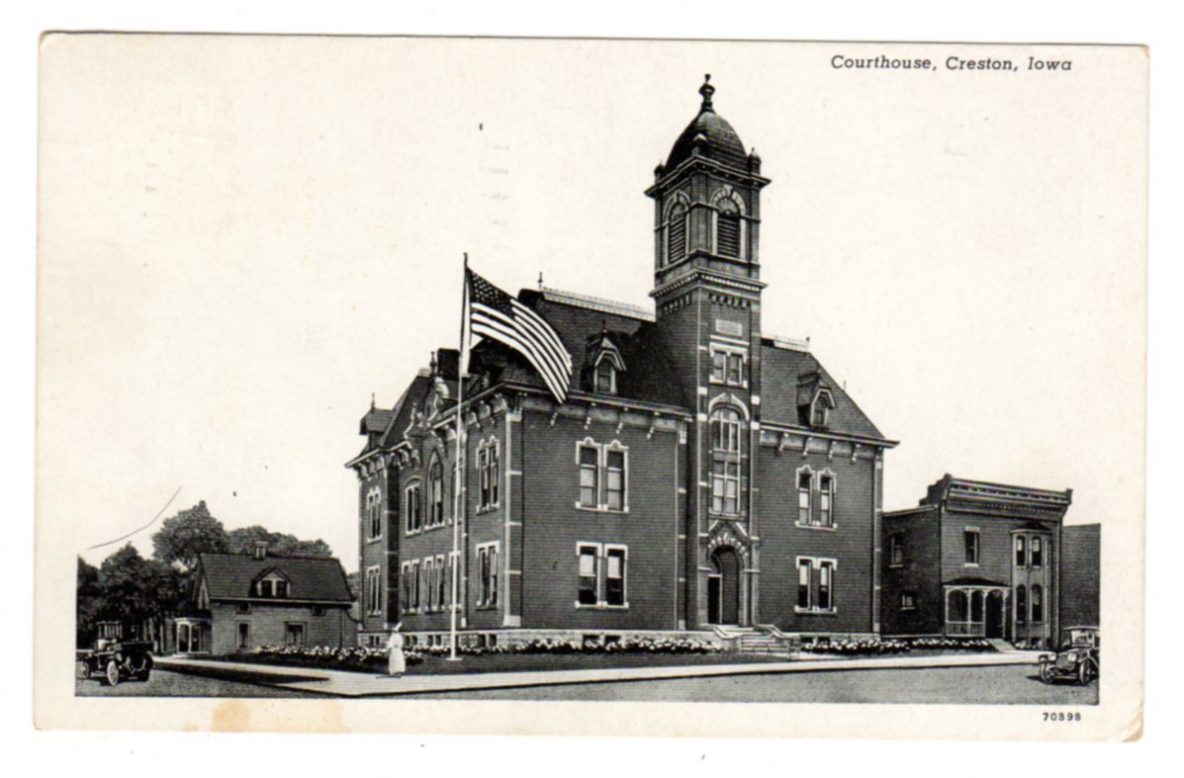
point(606, 377)
point(727, 228)
point(727, 433)
point(676, 233)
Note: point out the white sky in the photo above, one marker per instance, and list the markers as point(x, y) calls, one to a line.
point(242, 238)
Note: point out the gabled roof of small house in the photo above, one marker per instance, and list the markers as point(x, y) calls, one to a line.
point(229, 576)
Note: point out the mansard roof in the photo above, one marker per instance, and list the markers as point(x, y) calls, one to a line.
point(783, 369)
point(651, 376)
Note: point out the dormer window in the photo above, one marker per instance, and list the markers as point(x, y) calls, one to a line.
point(820, 408)
point(606, 378)
point(272, 586)
point(605, 362)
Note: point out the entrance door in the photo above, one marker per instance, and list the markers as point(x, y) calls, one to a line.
point(713, 592)
point(995, 615)
point(726, 605)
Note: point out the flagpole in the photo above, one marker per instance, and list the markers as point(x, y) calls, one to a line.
point(458, 501)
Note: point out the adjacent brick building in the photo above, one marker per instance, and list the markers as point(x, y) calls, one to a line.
point(975, 559)
point(1081, 575)
point(702, 474)
point(244, 601)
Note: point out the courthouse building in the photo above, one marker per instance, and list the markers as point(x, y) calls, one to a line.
point(701, 475)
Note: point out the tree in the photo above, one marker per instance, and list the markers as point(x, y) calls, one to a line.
point(242, 541)
point(191, 532)
point(88, 601)
point(127, 584)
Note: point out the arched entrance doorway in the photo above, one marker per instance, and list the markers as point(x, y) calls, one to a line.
point(996, 621)
point(723, 587)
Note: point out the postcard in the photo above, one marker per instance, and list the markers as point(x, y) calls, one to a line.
point(618, 387)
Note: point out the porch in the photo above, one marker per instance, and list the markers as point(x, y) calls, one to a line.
point(977, 611)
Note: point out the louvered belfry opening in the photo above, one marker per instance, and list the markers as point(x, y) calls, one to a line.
point(728, 230)
point(676, 240)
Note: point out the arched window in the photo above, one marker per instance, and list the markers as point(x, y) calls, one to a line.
point(977, 600)
point(676, 233)
point(804, 490)
point(727, 431)
point(1037, 603)
point(727, 228)
point(958, 606)
point(414, 507)
point(826, 493)
point(436, 492)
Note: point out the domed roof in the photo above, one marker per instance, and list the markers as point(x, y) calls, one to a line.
point(712, 133)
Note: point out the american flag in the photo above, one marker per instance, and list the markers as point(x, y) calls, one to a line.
point(495, 314)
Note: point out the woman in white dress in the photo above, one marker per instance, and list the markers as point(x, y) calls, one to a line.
point(396, 662)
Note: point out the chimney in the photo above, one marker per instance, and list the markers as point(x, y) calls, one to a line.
point(260, 549)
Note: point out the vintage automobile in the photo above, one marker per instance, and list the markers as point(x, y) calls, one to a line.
point(1076, 659)
point(114, 659)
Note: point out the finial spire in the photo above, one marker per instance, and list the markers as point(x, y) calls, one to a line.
point(707, 90)
point(540, 280)
point(372, 401)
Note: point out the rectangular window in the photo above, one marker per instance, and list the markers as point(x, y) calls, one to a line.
point(725, 487)
point(1037, 552)
point(487, 574)
point(970, 541)
point(244, 636)
point(374, 514)
point(373, 589)
point(614, 575)
point(804, 584)
point(736, 369)
point(908, 601)
point(615, 480)
point(1021, 557)
point(804, 487)
point(589, 465)
point(265, 588)
point(415, 587)
point(896, 549)
point(441, 581)
point(719, 366)
point(1037, 604)
point(294, 634)
point(826, 576)
point(281, 589)
point(430, 580)
point(589, 562)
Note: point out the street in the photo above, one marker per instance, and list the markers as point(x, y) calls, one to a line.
point(1006, 684)
point(164, 683)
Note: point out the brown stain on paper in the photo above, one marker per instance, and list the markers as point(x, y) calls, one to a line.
point(267, 716)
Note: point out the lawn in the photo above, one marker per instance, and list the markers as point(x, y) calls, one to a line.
point(509, 663)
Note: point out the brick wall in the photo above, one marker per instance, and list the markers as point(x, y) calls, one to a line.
point(850, 542)
point(1081, 574)
point(553, 525)
point(917, 574)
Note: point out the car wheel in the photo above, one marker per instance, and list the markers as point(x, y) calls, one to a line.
point(1083, 673)
point(111, 675)
point(1047, 674)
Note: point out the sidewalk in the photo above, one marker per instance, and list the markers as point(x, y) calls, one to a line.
point(348, 684)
